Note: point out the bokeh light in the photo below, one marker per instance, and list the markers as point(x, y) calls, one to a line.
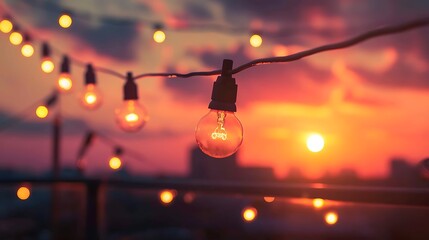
point(249, 214)
point(15, 38)
point(27, 50)
point(65, 20)
point(269, 199)
point(331, 218)
point(42, 111)
point(318, 203)
point(47, 65)
point(115, 163)
point(23, 193)
point(159, 36)
point(6, 26)
point(255, 40)
point(167, 196)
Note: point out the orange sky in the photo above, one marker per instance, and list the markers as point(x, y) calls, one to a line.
point(369, 102)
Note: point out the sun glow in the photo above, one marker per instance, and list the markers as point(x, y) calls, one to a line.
point(315, 143)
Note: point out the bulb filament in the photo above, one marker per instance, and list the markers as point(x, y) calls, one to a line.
point(220, 131)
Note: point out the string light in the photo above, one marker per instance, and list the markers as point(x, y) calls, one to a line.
point(249, 214)
point(42, 111)
point(219, 133)
point(15, 37)
point(159, 35)
point(23, 193)
point(331, 218)
point(65, 20)
point(255, 40)
point(64, 83)
point(131, 116)
point(318, 203)
point(115, 161)
point(6, 25)
point(47, 64)
point(91, 98)
point(269, 199)
point(167, 196)
point(27, 49)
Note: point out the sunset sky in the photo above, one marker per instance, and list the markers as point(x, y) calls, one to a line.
point(370, 102)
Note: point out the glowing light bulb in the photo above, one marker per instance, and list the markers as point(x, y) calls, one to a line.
point(255, 40)
point(65, 20)
point(27, 50)
point(331, 218)
point(23, 193)
point(42, 111)
point(318, 202)
point(115, 163)
point(315, 143)
point(167, 196)
point(91, 98)
point(159, 36)
point(269, 199)
point(249, 214)
point(6, 26)
point(219, 133)
point(47, 65)
point(131, 116)
point(64, 83)
point(15, 38)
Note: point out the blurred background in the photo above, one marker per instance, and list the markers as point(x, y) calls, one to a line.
point(355, 116)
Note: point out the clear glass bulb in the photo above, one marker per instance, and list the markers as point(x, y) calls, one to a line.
point(6, 26)
point(65, 20)
point(131, 116)
point(47, 65)
point(159, 36)
point(91, 98)
point(16, 38)
point(219, 133)
point(64, 83)
point(27, 50)
point(115, 162)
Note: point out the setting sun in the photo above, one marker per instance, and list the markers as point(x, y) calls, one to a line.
point(315, 142)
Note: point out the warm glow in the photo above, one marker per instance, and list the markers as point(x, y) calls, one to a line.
point(115, 163)
point(189, 197)
point(219, 133)
point(65, 21)
point(15, 38)
point(6, 26)
point(47, 65)
point(159, 36)
point(269, 199)
point(318, 202)
point(249, 214)
point(255, 40)
point(23, 193)
point(64, 83)
point(167, 196)
point(315, 142)
point(91, 97)
point(331, 218)
point(42, 111)
point(131, 116)
point(27, 50)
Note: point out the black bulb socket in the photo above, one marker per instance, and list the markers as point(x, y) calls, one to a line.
point(224, 94)
point(65, 65)
point(130, 88)
point(90, 75)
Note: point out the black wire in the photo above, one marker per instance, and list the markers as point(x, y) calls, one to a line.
point(347, 43)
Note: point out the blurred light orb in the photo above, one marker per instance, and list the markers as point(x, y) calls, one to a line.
point(47, 65)
point(166, 196)
point(6, 26)
point(115, 163)
point(331, 218)
point(42, 111)
point(249, 214)
point(269, 199)
point(65, 20)
point(159, 36)
point(318, 202)
point(64, 83)
point(23, 193)
point(315, 142)
point(15, 38)
point(255, 40)
point(27, 50)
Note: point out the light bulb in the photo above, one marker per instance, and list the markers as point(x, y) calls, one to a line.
point(131, 116)
point(219, 133)
point(249, 214)
point(27, 50)
point(65, 20)
point(15, 38)
point(64, 83)
point(159, 36)
point(255, 40)
point(23, 193)
point(6, 26)
point(167, 196)
point(91, 98)
point(115, 162)
point(42, 111)
point(47, 65)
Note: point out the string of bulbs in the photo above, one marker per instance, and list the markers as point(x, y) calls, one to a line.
point(219, 133)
